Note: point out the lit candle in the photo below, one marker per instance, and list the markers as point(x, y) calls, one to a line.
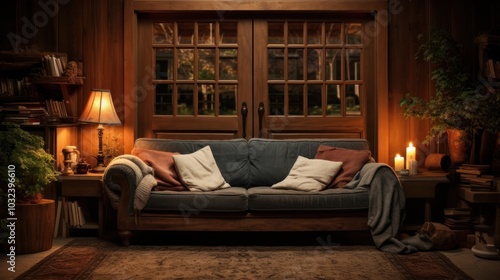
point(410, 155)
point(399, 163)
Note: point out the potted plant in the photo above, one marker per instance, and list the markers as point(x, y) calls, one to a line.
point(26, 169)
point(461, 104)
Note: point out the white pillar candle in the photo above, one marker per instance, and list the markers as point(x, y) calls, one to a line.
point(399, 163)
point(410, 155)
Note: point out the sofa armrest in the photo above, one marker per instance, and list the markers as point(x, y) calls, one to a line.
point(120, 184)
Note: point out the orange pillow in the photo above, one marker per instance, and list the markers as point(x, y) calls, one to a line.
point(164, 169)
point(352, 162)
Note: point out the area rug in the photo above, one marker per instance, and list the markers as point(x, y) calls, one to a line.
point(97, 259)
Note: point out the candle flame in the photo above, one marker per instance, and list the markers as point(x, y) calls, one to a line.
point(411, 144)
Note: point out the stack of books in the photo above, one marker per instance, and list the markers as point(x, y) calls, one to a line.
point(475, 177)
point(458, 218)
point(23, 112)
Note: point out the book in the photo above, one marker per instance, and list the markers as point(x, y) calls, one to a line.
point(470, 171)
point(459, 222)
point(457, 211)
point(58, 217)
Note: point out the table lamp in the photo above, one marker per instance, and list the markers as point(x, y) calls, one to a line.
point(100, 110)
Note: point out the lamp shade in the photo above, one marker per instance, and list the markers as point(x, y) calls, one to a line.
point(100, 109)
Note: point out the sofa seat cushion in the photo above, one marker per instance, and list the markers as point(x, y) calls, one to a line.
point(233, 199)
point(269, 199)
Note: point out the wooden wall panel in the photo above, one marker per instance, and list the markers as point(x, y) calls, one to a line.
point(93, 31)
point(88, 31)
point(102, 43)
point(464, 19)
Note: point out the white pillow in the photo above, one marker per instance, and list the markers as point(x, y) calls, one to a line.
point(310, 175)
point(199, 172)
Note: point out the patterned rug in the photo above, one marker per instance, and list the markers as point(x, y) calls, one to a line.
point(96, 259)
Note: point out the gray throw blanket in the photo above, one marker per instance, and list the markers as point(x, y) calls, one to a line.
point(144, 180)
point(386, 210)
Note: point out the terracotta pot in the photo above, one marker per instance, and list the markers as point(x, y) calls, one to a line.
point(459, 145)
point(439, 162)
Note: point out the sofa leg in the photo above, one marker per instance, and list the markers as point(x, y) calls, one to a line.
point(125, 236)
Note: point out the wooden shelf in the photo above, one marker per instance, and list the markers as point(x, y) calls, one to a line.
point(478, 196)
point(63, 80)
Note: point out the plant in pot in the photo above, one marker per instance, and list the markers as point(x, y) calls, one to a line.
point(460, 106)
point(26, 169)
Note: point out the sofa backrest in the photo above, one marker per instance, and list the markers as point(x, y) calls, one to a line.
point(258, 162)
point(231, 156)
point(271, 160)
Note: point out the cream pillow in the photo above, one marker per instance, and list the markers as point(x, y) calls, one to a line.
point(310, 175)
point(198, 171)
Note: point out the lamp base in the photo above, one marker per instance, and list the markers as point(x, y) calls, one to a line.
point(98, 169)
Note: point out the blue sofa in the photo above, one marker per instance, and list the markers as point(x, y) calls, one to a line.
point(250, 167)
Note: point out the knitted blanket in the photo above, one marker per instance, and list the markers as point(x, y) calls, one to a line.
point(144, 180)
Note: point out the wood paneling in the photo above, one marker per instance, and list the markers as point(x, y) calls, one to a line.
point(93, 31)
point(88, 31)
point(464, 19)
point(258, 5)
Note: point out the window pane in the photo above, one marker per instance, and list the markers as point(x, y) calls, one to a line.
point(296, 33)
point(228, 33)
point(227, 99)
point(185, 33)
point(228, 65)
point(163, 102)
point(353, 33)
point(296, 100)
point(276, 99)
point(206, 33)
point(164, 64)
point(314, 63)
point(163, 33)
point(275, 33)
point(206, 99)
point(206, 64)
point(333, 64)
point(276, 65)
point(185, 99)
point(314, 100)
point(352, 104)
point(352, 65)
point(296, 64)
point(333, 32)
point(314, 32)
point(333, 106)
point(185, 70)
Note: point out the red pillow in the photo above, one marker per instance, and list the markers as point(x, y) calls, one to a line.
point(164, 169)
point(352, 162)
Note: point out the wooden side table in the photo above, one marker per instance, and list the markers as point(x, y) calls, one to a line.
point(85, 186)
point(487, 198)
point(423, 186)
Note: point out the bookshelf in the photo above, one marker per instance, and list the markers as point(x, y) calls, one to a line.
point(27, 87)
point(488, 46)
point(80, 206)
point(38, 87)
